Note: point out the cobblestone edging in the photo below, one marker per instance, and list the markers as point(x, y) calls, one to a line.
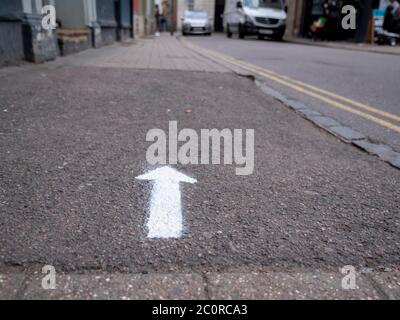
point(344, 133)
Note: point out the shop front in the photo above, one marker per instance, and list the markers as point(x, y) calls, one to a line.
point(312, 11)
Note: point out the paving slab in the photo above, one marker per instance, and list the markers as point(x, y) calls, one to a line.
point(288, 286)
point(111, 286)
point(389, 283)
point(347, 133)
point(324, 122)
point(155, 53)
point(11, 283)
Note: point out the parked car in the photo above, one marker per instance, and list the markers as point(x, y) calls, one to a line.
point(196, 22)
point(255, 17)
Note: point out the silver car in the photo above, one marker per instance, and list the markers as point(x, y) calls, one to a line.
point(196, 22)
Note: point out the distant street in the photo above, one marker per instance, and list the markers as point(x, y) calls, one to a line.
point(368, 78)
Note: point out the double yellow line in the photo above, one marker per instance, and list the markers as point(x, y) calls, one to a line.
point(328, 97)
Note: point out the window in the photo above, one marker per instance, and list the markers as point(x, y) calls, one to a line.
point(190, 4)
point(273, 4)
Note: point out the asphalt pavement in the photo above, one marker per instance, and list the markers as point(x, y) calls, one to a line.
point(73, 139)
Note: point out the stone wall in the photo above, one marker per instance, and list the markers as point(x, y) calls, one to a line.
point(11, 44)
point(40, 45)
point(294, 17)
point(106, 20)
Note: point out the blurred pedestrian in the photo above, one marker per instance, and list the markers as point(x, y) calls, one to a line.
point(317, 28)
point(158, 19)
point(164, 15)
point(331, 13)
point(392, 17)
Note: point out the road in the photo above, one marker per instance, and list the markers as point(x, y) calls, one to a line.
point(73, 142)
point(368, 79)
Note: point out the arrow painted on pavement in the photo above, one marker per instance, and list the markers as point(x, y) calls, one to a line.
point(165, 220)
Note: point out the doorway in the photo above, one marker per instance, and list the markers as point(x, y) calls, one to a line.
point(219, 10)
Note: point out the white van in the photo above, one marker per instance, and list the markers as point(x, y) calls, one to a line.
point(255, 17)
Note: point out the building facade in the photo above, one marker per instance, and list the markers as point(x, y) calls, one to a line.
point(144, 14)
point(302, 13)
point(92, 23)
point(21, 33)
point(80, 24)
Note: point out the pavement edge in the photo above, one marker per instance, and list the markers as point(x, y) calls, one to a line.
point(344, 133)
point(243, 284)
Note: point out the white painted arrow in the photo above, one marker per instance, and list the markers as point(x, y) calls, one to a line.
point(165, 220)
